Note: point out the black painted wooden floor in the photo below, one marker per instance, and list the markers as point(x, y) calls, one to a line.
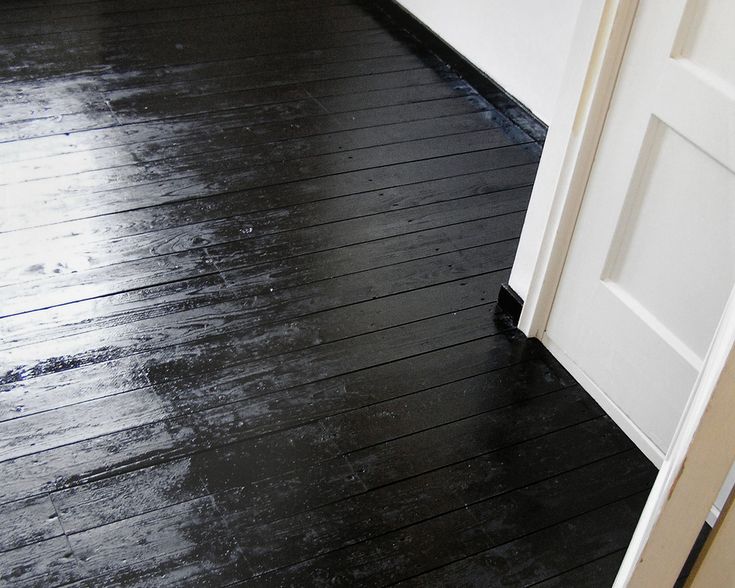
point(249, 254)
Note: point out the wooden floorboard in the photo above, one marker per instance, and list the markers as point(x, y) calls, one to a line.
point(250, 253)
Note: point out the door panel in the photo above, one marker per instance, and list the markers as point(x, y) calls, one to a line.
point(652, 259)
point(681, 209)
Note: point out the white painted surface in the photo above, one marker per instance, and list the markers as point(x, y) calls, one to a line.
point(701, 454)
point(652, 259)
point(594, 57)
point(523, 45)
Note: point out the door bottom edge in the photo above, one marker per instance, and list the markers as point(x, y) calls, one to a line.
point(622, 420)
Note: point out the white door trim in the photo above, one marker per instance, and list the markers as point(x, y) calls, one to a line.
point(576, 144)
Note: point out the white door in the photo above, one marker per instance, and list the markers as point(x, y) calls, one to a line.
point(652, 258)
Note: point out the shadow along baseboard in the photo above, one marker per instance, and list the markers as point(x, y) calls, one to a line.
point(510, 106)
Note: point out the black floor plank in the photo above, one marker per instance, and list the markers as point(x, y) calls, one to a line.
point(98, 110)
point(250, 253)
point(373, 513)
point(21, 157)
point(21, 10)
point(122, 182)
point(422, 546)
point(28, 521)
point(38, 432)
point(339, 17)
point(63, 325)
point(218, 380)
point(589, 575)
point(41, 58)
point(148, 484)
point(260, 322)
point(324, 134)
point(192, 530)
point(28, 394)
point(26, 256)
point(128, 236)
point(441, 157)
point(80, 284)
point(551, 548)
point(46, 563)
point(181, 227)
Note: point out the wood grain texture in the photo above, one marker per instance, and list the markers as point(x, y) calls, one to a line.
point(250, 253)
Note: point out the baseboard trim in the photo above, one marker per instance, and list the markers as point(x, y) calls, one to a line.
point(622, 420)
point(510, 302)
point(650, 450)
point(508, 105)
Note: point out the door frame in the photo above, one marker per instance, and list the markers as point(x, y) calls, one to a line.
point(564, 171)
point(681, 497)
point(571, 147)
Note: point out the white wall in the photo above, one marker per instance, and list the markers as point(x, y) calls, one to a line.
point(521, 44)
point(562, 141)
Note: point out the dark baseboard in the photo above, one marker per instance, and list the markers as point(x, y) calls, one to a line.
point(509, 106)
point(510, 302)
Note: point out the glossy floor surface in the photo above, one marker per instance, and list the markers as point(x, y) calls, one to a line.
point(249, 252)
